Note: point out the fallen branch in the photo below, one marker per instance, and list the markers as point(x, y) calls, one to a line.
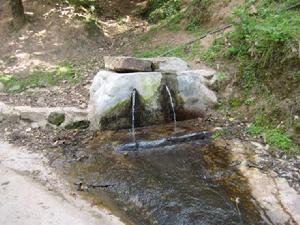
point(142, 145)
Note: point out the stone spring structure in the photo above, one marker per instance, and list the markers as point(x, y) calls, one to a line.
point(110, 93)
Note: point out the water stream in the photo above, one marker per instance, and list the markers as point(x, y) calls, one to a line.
point(172, 106)
point(188, 183)
point(133, 103)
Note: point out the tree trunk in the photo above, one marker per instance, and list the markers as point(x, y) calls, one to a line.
point(17, 13)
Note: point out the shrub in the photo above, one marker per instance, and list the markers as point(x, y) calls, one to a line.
point(266, 39)
point(197, 14)
point(161, 9)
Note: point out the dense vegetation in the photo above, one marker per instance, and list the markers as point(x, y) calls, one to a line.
point(266, 42)
point(264, 46)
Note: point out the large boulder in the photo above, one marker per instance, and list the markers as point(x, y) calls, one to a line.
point(111, 97)
point(127, 64)
point(168, 64)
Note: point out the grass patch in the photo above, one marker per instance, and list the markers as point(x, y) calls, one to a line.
point(39, 78)
point(190, 52)
point(264, 43)
point(218, 134)
point(158, 10)
point(197, 14)
point(213, 52)
point(275, 137)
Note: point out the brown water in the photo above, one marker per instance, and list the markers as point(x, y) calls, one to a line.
point(186, 184)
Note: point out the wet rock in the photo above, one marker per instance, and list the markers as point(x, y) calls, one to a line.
point(168, 64)
point(56, 118)
point(127, 64)
point(194, 93)
point(110, 97)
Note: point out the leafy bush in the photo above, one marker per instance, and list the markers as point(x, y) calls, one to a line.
point(161, 9)
point(197, 14)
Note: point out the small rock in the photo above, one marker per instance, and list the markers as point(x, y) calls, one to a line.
point(83, 106)
point(273, 174)
point(56, 118)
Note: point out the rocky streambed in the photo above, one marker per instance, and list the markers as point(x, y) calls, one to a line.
point(200, 182)
point(188, 183)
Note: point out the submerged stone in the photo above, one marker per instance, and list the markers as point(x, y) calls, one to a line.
point(143, 145)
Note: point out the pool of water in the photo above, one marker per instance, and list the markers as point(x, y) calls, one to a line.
point(189, 183)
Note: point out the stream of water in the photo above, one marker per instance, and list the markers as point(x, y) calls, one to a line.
point(133, 103)
point(189, 183)
point(172, 106)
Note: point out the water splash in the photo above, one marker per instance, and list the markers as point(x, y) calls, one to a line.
point(172, 105)
point(133, 103)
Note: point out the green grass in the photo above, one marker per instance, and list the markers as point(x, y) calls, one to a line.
point(39, 78)
point(158, 10)
point(213, 52)
point(186, 52)
point(218, 134)
point(275, 137)
point(265, 40)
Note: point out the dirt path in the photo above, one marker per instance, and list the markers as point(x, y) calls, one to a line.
point(30, 193)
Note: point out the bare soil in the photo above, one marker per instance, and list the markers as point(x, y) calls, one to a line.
point(56, 33)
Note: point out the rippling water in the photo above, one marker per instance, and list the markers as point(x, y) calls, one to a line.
point(186, 184)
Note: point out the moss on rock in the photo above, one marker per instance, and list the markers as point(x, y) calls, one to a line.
point(56, 118)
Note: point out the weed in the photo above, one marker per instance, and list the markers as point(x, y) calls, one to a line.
point(213, 52)
point(254, 130)
point(235, 102)
point(196, 14)
point(158, 10)
point(218, 134)
point(249, 101)
point(279, 139)
point(221, 76)
point(264, 40)
point(274, 136)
